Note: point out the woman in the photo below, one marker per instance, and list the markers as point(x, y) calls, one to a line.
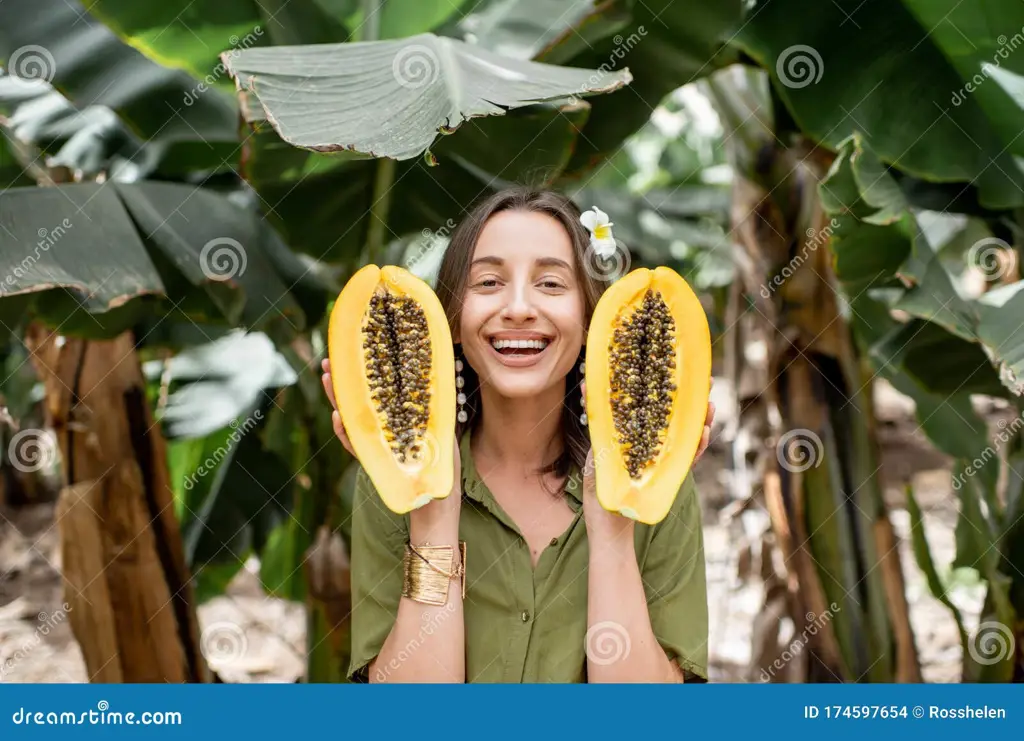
point(555, 588)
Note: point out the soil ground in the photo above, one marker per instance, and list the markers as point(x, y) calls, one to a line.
point(36, 644)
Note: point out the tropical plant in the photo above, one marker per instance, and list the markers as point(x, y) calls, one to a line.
point(371, 126)
point(901, 208)
point(176, 121)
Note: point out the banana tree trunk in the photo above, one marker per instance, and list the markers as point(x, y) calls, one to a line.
point(124, 570)
point(844, 587)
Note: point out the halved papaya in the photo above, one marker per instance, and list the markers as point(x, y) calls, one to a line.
point(393, 370)
point(648, 371)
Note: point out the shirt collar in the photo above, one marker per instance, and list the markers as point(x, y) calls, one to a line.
point(474, 487)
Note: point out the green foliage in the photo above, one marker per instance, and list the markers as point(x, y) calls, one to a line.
point(150, 99)
point(880, 244)
point(887, 75)
point(145, 248)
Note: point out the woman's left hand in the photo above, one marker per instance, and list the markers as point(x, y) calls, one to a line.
point(600, 521)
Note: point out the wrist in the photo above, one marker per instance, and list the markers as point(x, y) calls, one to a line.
point(611, 531)
point(436, 522)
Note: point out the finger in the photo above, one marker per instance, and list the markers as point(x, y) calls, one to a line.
point(583, 393)
point(325, 379)
point(710, 419)
point(339, 430)
point(705, 438)
point(325, 365)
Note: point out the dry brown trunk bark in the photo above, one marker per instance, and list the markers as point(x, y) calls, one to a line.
point(124, 567)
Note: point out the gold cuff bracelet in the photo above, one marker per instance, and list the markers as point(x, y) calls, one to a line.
point(428, 571)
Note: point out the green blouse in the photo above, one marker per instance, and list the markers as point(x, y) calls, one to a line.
point(526, 624)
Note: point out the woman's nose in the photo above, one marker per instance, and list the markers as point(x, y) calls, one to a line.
point(519, 307)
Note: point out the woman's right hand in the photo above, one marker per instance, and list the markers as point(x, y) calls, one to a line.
point(339, 427)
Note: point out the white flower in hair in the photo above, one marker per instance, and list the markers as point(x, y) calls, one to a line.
point(600, 229)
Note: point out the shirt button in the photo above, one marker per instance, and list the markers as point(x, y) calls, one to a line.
point(526, 616)
point(554, 541)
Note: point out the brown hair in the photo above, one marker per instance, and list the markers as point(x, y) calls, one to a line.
point(453, 275)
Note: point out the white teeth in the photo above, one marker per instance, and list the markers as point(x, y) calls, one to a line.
point(519, 344)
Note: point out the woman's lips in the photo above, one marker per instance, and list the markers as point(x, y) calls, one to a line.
point(520, 359)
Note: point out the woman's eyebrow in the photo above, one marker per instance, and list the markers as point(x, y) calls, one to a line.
point(488, 260)
point(554, 262)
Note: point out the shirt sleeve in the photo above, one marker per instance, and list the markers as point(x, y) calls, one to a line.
point(378, 544)
point(675, 583)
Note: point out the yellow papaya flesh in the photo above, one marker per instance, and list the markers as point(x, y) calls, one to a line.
point(648, 373)
point(393, 372)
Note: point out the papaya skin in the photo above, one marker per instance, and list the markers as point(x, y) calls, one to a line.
point(649, 497)
point(403, 486)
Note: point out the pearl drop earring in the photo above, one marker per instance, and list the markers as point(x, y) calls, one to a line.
point(460, 383)
point(583, 399)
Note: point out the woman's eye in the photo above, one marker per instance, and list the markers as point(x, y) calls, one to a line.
point(551, 284)
point(488, 283)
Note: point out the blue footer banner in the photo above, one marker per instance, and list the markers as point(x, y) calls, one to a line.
point(507, 711)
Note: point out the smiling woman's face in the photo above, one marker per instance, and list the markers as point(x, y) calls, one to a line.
point(521, 324)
